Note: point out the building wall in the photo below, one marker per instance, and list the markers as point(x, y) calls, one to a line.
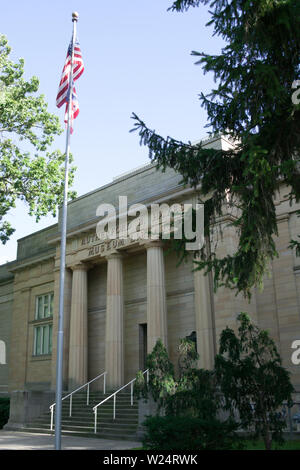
point(36, 272)
point(96, 321)
point(276, 307)
point(135, 310)
point(180, 302)
point(6, 302)
point(28, 372)
point(180, 310)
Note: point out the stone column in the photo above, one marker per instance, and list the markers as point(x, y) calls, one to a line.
point(204, 320)
point(114, 344)
point(78, 352)
point(67, 314)
point(156, 296)
point(287, 301)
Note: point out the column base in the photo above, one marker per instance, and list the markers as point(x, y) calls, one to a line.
point(25, 406)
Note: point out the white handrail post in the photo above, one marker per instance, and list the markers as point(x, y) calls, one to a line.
point(131, 388)
point(114, 406)
point(104, 383)
point(147, 373)
point(95, 424)
point(88, 394)
point(51, 425)
point(70, 406)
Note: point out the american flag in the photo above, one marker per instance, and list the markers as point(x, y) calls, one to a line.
point(64, 84)
point(74, 110)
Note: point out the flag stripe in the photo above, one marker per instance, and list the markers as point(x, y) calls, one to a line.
point(64, 84)
point(74, 109)
point(78, 69)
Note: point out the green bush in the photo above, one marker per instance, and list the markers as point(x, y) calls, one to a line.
point(4, 411)
point(190, 433)
point(190, 402)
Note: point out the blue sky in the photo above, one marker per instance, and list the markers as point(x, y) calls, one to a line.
point(137, 59)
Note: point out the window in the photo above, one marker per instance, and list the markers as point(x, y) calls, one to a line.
point(42, 340)
point(43, 330)
point(44, 306)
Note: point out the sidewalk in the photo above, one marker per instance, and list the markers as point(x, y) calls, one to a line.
point(16, 440)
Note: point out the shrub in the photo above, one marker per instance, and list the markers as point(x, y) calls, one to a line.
point(4, 411)
point(253, 380)
point(189, 433)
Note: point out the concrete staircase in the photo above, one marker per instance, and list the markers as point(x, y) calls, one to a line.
point(81, 423)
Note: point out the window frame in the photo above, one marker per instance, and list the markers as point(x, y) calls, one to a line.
point(49, 304)
point(42, 327)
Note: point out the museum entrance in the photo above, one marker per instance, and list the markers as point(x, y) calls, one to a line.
point(142, 346)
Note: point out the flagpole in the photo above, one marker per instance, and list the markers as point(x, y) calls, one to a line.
point(60, 333)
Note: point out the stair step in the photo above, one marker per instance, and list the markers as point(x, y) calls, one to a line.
point(121, 424)
point(98, 400)
point(101, 418)
point(103, 433)
point(103, 406)
point(108, 416)
point(98, 435)
point(112, 427)
point(81, 423)
point(96, 394)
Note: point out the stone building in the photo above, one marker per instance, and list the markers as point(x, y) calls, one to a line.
point(120, 297)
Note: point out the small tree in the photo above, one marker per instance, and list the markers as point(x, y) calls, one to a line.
point(161, 376)
point(187, 356)
point(252, 379)
point(29, 170)
point(190, 402)
point(195, 393)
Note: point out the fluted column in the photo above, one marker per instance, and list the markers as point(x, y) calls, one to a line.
point(114, 343)
point(78, 352)
point(156, 296)
point(67, 315)
point(204, 320)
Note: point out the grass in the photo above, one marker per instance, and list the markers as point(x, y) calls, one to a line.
point(259, 445)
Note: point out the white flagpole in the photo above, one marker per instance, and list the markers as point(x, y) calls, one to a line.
point(60, 333)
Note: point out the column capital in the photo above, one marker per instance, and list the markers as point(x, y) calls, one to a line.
point(153, 244)
point(283, 217)
point(116, 255)
point(80, 267)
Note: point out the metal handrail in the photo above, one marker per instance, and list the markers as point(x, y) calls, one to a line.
point(95, 409)
point(77, 390)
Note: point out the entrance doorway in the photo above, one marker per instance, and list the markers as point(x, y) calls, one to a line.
point(142, 346)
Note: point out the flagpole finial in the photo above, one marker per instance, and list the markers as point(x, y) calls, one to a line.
point(75, 16)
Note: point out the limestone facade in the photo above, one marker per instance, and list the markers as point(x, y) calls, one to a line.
point(121, 296)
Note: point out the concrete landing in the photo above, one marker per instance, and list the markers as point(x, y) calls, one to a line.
point(16, 440)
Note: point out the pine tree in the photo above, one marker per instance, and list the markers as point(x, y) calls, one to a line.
point(251, 105)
